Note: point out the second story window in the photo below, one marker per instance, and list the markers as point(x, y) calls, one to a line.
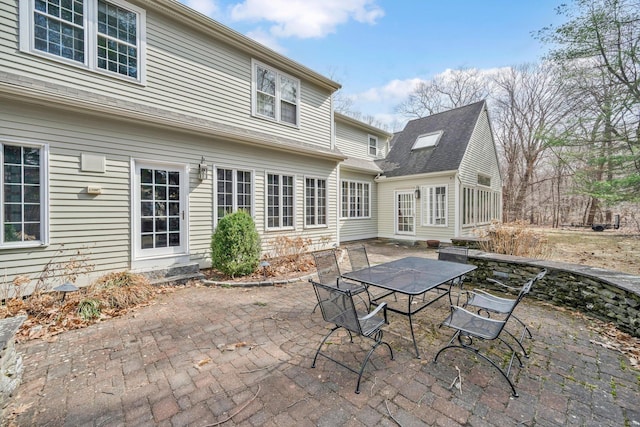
point(105, 36)
point(276, 96)
point(373, 146)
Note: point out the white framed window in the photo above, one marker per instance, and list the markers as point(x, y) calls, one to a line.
point(405, 212)
point(280, 196)
point(373, 146)
point(355, 199)
point(103, 36)
point(484, 180)
point(315, 202)
point(434, 210)
point(233, 191)
point(479, 206)
point(24, 209)
point(276, 96)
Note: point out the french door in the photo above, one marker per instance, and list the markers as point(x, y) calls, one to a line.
point(405, 212)
point(160, 220)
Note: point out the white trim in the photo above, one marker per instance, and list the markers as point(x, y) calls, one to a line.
point(397, 193)
point(44, 195)
point(426, 219)
point(90, 27)
point(369, 198)
point(304, 202)
point(369, 138)
point(138, 255)
point(277, 112)
point(214, 190)
point(266, 201)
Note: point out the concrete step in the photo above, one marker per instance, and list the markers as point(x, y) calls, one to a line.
point(174, 274)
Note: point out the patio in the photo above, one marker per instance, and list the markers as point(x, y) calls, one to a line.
point(242, 356)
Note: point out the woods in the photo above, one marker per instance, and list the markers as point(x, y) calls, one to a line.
point(567, 128)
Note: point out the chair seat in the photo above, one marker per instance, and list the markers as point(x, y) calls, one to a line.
point(490, 302)
point(473, 325)
point(355, 288)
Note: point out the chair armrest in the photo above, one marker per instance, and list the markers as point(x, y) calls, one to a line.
point(497, 282)
point(382, 306)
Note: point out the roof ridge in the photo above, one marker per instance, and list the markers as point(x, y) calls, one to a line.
point(449, 111)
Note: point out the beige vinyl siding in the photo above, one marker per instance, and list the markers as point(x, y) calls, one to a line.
point(359, 228)
point(387, 218)
point(480, 157)
point(354, 142)
point(187, 73)
point(102, 223)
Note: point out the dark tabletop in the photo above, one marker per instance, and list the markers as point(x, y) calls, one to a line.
point(411, 275)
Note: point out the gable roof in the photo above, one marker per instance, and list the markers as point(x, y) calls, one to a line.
point(456, 126)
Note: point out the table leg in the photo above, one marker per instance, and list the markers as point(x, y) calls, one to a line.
point(415, 344)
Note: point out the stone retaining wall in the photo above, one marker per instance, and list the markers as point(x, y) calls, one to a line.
point(10, 360)
point(607, 295)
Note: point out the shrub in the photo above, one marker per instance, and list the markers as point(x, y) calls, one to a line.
point(235, 245)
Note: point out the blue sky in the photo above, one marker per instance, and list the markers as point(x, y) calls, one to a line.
point(379, 49)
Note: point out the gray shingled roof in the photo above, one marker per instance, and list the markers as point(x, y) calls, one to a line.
point(457, 125)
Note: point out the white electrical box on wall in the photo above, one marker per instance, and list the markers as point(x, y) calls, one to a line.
point(94, 189)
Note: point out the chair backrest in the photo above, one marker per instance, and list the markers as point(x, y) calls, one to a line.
point(358, 257)
point(337, 306)
point(327, 267)
point(459, 254)
point(529, 284)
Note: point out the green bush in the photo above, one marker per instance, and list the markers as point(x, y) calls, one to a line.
point(235, 245)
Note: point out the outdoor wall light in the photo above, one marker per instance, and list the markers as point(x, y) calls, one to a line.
point(417, 192)
point(203, 170)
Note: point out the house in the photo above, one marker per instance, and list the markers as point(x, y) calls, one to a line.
point(441, 178)
point(363, 145)
point(129, 128)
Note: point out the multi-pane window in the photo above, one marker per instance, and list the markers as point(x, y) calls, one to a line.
point(435, 205)
point(479, 206)
point(280, 198)
point(233, 191)
point(405, 219)
point(315, 202)
point(97, 34)
point(23, 186)
point(276, 95)
point(355, 199)
point(373, 146)
point(159, 208)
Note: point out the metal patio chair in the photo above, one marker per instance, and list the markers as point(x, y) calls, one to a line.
point(338, 308)
point(358, 259)
point(459, 254)
point(487, 303)
point(470, 326)
point(329, 273)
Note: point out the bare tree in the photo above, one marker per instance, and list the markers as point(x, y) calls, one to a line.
point(451, 89)
point(529, 107)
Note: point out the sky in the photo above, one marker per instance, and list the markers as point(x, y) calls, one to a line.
point(378, 50)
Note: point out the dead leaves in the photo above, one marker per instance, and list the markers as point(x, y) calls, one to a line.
point(616, 340)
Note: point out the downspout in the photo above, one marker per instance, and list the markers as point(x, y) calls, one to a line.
point(457, 232)
point(337, 192)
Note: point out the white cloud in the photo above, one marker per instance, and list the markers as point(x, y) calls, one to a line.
point(306, 18)
point(206, 7)
point(396, 90)
point(267, 39)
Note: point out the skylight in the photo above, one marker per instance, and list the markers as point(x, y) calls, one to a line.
point(427, 140)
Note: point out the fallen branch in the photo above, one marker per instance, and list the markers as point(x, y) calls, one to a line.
point(236, 412)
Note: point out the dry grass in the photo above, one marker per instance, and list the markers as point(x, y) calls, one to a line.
point(516, 239)
point(48, 313)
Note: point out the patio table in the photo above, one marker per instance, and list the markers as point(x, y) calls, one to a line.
point(412, 277)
